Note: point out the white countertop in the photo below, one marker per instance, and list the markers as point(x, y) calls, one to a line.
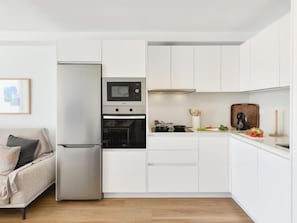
point(266, 143)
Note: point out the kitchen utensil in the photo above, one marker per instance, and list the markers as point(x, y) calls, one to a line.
point(179, 128)
point(276, 133)
point(251, 111)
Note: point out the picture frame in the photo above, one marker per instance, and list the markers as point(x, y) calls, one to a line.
point(15, 96)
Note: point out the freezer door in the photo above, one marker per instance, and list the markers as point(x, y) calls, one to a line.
point(78, 174)
point(79, 104)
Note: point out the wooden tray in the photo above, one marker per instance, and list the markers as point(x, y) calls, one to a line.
point(251, 111)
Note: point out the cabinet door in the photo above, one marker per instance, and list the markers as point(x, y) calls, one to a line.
point(244, 176)
point(245, 66)
point(79, 51)
point(159, 67)
point(123, 58)
point(182, 67)
point(284, 50)
point(230, 69)
point(123, 171)
point(214, 164)
point(207, 68)
point(274, 188)
point(265, 58)
point(173, 178)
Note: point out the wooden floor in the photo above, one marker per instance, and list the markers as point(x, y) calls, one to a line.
point(46, 210)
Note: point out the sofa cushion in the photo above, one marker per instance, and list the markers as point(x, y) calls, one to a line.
point(28, 147)
point(44, 145)
point(9, 157)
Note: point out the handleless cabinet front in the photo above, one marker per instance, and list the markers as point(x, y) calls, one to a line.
point(172, 163)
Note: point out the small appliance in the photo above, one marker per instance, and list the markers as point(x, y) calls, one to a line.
point(241, 121)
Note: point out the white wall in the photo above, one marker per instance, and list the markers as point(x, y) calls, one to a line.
point(39, 64)
point(269, 101)
point(174, 108)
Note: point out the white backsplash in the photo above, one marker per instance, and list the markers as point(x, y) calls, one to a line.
point(269, 101)
point(174, 108)
point(215, 107)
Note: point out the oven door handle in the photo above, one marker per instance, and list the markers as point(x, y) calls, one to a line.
point(123, 116)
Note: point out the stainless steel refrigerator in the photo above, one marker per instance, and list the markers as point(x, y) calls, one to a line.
point(78, 163)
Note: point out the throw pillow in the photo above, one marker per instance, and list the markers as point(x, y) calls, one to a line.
point(9, 157)
point(28, 147)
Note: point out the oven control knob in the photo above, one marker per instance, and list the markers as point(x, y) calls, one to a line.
point(137, 90)
point(130, 109)
point(116, 109)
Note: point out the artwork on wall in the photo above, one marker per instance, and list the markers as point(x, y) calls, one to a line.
point(15, 96)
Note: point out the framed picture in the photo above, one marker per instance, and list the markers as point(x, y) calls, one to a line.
point(15, 96)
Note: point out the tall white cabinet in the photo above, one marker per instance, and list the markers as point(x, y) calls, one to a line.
point(87, 51)
point(124, 58)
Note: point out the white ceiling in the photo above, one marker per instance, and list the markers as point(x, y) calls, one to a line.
point(140, 15)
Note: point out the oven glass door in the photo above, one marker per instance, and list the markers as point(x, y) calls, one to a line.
point(124, 131)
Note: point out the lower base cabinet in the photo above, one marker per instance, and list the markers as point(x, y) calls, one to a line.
point(261, 183)
point(274, 189)
point(124, 171)
point(172, 178)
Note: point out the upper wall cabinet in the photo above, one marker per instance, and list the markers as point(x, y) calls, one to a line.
point(170, 67)
point(207, 68)
point(265, 58)
point(124, 58)
point(79, 51)
point(217, 68)
point(245, 66)
point(159, 67)
point(182, 67)
point(230, 68)
point(284, 50)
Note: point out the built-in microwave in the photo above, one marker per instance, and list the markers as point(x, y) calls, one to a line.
point(123, 95)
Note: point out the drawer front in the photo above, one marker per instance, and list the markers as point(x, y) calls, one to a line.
point(178, 157)
point(167, 178)
point(172, 142)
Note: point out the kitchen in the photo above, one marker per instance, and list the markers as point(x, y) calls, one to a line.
point(173, 107)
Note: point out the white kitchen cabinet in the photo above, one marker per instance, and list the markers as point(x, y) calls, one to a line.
point(208, 68)
point(124, 171)
point(79, 51)
point(265, 58)
point(214, 163)
point(170, 67)
point(284, 50)
point(172, 178)
point(229, 68)
point(124, 58)
point(274, 188)
point(182, 67)
point(245, 66)
point(159, 67)
point(172, 163)
point(244, 176)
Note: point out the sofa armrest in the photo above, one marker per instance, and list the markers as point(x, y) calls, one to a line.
point(33, 180)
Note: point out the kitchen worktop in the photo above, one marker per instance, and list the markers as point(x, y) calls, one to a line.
point(266, 143)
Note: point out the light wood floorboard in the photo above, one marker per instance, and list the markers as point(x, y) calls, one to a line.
point(46, 210)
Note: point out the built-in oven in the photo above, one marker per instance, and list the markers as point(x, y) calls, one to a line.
point(123, 95)
point(124, 131)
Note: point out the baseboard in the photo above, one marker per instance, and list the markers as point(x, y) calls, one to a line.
point(168, 195)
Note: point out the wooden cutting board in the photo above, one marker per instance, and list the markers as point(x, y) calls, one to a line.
point(251, 111)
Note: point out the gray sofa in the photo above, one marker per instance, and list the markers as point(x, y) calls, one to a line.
point(23, 185)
